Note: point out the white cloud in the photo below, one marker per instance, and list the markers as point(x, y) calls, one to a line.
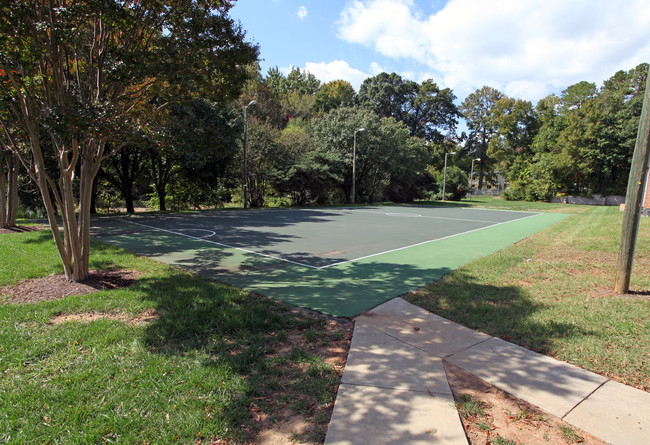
point(525, 48)
point(302, 12)
point(376, 68)
point(337, 70)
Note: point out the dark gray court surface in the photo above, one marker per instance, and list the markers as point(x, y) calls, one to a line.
point(341, 261)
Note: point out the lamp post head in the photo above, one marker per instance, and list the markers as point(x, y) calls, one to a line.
point(252, 102)
point(359, 130)
point(452, 153)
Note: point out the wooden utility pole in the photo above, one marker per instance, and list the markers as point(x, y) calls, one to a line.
point(638, 173)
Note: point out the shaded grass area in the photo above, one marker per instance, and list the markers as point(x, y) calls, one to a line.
point(553, 293)
point(208, 365)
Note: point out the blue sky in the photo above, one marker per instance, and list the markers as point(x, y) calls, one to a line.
point(525, 48)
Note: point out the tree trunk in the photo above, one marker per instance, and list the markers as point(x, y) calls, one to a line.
point(12, 192)
point(128, 199)
point(480, 176)
point(8, 189)
point(3, 191)
point(162, 195)
point(93, 197)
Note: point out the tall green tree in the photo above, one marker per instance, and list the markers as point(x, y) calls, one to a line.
point(334, 94)
point(384, 151)
point(304, 174)
point(206, 138)
point(516, 125)
point(427, 110)
point(619, 105)
point(295, 92)
point(478, 110)
point(88, 72)
point(264, 153)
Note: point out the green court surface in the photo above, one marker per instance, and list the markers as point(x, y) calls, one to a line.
point(339, 261)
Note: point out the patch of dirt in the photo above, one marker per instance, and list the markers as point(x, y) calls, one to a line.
point(55, 287)
point(307, 424)
point(507, 418)
point(87, 317)
point(283, 431)
point(20, 229)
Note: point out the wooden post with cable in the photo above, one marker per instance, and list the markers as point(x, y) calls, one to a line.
point(638, 174)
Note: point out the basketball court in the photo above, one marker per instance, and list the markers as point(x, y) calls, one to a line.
point(339, 261)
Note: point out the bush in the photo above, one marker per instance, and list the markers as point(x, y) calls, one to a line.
point(457, 184)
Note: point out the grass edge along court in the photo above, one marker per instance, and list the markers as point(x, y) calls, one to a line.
point(391, 262)
point(551, 292)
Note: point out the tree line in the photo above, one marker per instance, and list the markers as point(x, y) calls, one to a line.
point(106, 103)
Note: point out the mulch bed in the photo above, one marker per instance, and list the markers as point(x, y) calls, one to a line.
point(20, 229)
point(55, 287)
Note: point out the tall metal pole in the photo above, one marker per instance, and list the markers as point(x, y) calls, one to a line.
point(444, 176)
point(632, 214)
point(354, 165)
point(245, 187)
point(471, 178)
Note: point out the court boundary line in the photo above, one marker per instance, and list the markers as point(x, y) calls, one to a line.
point(491, 224)
point(427, 242)
point(412, 215)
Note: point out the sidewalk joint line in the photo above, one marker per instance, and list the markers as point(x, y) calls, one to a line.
point(469, 347)
point(585, 398)
point(424, 391)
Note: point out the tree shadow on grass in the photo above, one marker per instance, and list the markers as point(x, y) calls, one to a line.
point(231, 336)
point(506, 312)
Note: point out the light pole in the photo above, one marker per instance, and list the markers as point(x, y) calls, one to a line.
point(444, 176)
point(471, 178)
point(252, 102)
point(354, 164)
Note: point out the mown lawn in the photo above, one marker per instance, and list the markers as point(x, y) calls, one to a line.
point(171, 359)
point(553, 293)
point(178, 359)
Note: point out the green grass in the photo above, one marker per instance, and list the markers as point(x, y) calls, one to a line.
point(553, 293)
point(469, 407)
point(570, 434)
point(194, 373)
point(498, 440)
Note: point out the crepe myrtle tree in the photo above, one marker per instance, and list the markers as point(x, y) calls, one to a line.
point(8, 187)
point(86, 73)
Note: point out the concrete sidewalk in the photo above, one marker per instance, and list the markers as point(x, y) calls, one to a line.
point(395, 391)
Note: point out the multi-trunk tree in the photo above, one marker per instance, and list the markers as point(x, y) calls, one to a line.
point(86, 74)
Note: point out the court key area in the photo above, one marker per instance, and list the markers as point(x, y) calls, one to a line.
point(339, 261)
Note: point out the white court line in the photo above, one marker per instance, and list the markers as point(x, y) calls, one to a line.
point(222, 244)
point(432, 217)
point(211, 232)
point(492, 224)
point(501, 210)
point(425, 242)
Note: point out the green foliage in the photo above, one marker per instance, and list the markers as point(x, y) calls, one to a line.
point(294, 92)
point(264, 154)
point(88, 75)
point(479, 109)
point(385, 152)
point(457, 184)
point(427, 111)
point(335, 94)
